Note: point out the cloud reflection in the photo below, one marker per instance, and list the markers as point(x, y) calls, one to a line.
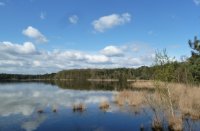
point(25, 99)
point(33, 124)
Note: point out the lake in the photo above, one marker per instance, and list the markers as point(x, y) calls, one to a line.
point(48, 106)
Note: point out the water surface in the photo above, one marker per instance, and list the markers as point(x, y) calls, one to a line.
point(21, 101)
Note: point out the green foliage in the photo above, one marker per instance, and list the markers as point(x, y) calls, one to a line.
point(195, 59)
point(18, 77)
point(195, 46)
point(164, 67)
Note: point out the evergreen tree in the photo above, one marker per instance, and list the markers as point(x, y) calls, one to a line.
point(195, 58)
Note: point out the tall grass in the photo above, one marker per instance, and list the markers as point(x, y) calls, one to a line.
point(169, 101)
point(104, 105)
point(132, 98)
point(80, 107)
point(143, 84)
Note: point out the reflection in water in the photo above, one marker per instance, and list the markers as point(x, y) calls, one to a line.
point(20, 103)
point(26, 98)
point(34, 123)
point(91, 85)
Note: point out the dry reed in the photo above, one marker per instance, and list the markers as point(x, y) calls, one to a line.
point(175, 123)
point(104, 105)
point(132, 98)
point(172, 99)
point(143, 84)
point(79, 107)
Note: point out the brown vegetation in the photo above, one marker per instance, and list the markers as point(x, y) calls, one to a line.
point(78, 107)
point(54, 110)
point(187, 99)
point(120, 98)
point(104, 105)
point(175, 124)
point(157, 125)
point(172, 100)
point(143, 84)
point(40, 111)
point(132, 98)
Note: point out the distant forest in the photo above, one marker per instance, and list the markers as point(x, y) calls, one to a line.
point(163, 69)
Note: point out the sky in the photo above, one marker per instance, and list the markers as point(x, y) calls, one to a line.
point(45, 36)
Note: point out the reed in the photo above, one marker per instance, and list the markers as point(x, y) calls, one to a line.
point(187, 99)
point(175, 123)
point(40, 111)
point(132, 98)
point(54, 110)
point(169, 101)
point(104, 105)
point(79, 107)
point(143, 84)
point(157, 125)
point(120, 98)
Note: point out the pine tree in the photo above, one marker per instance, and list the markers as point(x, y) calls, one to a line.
point(195, 58)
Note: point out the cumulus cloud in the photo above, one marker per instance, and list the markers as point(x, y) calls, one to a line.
point(112, 51)
point(79, 56)
point(26, 58)
point(73, 19)
point(197, 2)
point(110, 21)
point(26, 48)
point(34, 33)
point(97, 59)
point(36, 63)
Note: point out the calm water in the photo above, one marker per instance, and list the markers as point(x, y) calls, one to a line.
point(20, 102)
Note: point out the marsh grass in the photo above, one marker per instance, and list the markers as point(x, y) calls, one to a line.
point(120, 98)
point(175, 123)
point(169, 101)
point(54, 110)
point(132, 98)
point(79, 107)
point(184, 98)
point(187, 99)
point(40, 111)
point(157, 125)
point(143, 84)
point(104, 105)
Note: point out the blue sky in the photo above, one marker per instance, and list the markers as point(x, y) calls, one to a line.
point(42, 36)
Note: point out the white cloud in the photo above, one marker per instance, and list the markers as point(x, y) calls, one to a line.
point(197, 2)
point(26, 48)
point(97, 59)
point(8, 63)
point(36, 63)
point(26, 58)
point(34, 33)
point(112, 51)
point(80, 56)
point(110, 21)
point(42, 15)
point(2, 4)
point(73, 19)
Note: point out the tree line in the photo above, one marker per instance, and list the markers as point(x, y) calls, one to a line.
point(164, 69)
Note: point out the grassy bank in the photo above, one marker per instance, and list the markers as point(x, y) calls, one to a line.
point(174, 101)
